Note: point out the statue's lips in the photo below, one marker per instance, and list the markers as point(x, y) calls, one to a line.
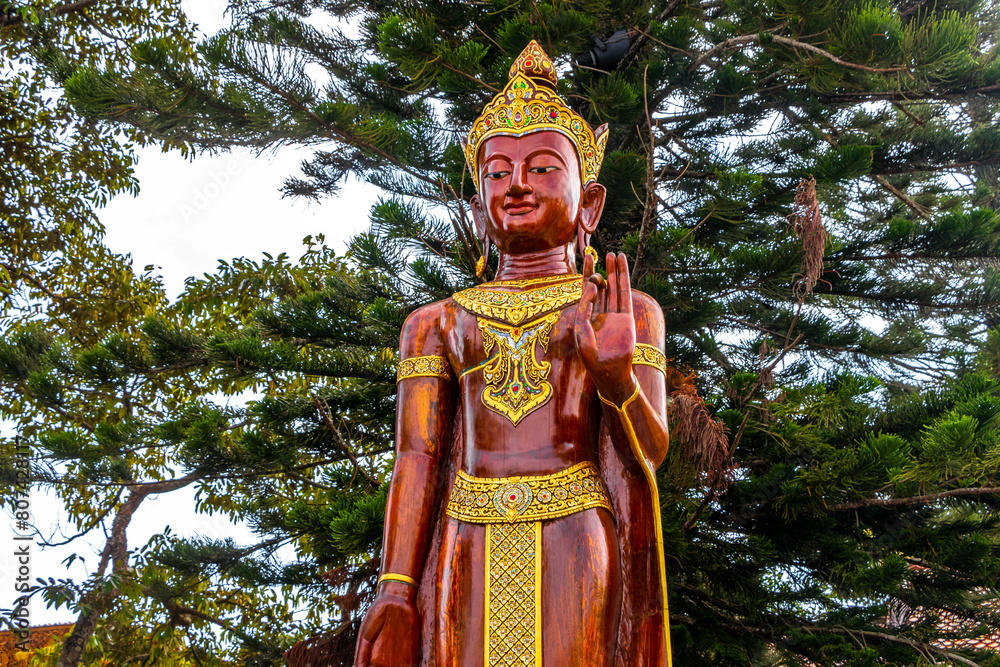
point(519, 208)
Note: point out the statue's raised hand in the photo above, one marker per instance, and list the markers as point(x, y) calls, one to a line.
point(390, 633)
point(605, 328)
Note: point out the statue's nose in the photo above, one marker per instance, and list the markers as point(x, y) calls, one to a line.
point(519, 182)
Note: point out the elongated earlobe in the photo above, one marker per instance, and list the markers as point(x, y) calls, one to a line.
point(484, 258)
point(583, 244)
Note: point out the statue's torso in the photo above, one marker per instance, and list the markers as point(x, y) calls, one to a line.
point(579, 587)
point(553, 436)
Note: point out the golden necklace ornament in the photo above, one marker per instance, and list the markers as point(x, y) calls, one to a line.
point(516, 307)
point(514, 326)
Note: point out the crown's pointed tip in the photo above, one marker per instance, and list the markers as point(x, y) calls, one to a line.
point(534, 63)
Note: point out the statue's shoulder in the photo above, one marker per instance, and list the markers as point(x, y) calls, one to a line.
point(642, 302)
point(650, 326)
point(436, 315)
point(425, 329)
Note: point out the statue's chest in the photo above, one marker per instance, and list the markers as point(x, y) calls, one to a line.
point(517, 368)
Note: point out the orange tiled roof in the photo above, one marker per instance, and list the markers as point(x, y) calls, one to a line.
point(42, 635)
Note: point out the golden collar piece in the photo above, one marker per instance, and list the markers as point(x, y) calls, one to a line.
point(542, 296)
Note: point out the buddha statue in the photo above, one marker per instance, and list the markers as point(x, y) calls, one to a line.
point(523, 525)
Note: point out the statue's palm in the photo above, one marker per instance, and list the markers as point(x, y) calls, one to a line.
point(605, 328)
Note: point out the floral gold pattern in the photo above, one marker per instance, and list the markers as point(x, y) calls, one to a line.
point(516, 307)
point(536, 282)
point(514, 586)
point(528, 498)
point(417, 367)
point(516, 381)
point(529, 103)
point(649, 355)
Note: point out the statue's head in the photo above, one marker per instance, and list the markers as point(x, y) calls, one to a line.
point(535, 162)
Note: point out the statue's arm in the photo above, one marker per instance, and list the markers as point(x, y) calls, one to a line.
point(389, 635)
point(611, 320)
point(423, 428)
point(640, 419)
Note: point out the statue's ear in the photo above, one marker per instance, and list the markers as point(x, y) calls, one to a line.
point(478, 215)
point(600, 131)
point(591, 206)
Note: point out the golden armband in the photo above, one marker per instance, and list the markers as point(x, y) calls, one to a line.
point(649, 355)
point(423, 367)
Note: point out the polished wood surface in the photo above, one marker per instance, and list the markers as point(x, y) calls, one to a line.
point(599, 606)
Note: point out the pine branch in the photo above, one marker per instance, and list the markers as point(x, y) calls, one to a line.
point(324, 411)
point(649, 214)
point(916, 500)
point(914, 206)
point(342, 135)
point(638, 44)
point(735, 42)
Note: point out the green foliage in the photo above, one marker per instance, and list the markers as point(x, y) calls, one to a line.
point(59, 166)
point(862, 412)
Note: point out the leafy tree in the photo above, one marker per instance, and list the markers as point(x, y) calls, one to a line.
point(845, 358)
point(58, 166)
point(137, 414)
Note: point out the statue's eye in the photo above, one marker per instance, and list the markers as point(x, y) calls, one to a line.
point(495, 175)
point(542, 170)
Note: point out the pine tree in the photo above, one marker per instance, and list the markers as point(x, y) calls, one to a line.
point(846, 360)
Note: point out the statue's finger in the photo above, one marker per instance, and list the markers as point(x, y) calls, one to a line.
point(375, 628)
point(585, 308)
point(624, 285)
point(588, 267)
point(364, 656)
point(611, 305)
point(583, 331)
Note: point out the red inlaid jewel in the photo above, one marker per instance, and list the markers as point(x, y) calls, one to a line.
point(528, 63)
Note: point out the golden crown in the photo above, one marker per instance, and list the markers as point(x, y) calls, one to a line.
point(529, 103)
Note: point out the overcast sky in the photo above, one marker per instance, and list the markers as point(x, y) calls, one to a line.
point(188, 215)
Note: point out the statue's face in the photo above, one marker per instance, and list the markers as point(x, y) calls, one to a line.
point(530, 189)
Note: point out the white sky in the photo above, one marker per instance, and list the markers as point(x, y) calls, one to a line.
point(188, 215)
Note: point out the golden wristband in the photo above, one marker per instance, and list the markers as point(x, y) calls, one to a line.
point(401, 578)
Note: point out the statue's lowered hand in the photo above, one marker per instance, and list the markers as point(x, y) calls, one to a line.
point(605, 328)
point(390, 632)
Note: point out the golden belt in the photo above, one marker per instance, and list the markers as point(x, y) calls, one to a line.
point(532, 498)
point(513, 509)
